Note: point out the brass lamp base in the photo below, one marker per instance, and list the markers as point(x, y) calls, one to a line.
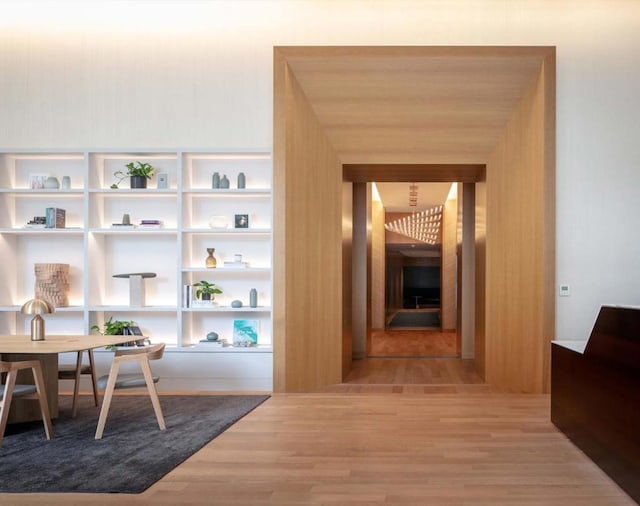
point(37, 328)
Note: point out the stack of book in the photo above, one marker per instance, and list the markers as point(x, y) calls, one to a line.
point(151, 224)
point(236, 265)
point(37, 222)
point(205, 343)
point(55, 217)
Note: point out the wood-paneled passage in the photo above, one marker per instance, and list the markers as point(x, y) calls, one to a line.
point(307, 276)
point(398, 106)
point(324, 449)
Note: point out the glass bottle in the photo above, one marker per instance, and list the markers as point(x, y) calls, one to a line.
point(210, 262)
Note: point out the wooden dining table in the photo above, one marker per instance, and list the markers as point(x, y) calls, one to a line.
point(20, 347)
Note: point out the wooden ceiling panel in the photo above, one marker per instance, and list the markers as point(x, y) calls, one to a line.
point(390, 107)
point(412, 145)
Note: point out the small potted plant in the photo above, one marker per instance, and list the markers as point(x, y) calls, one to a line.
point(137, 172)
point(206, 290)
point(113, 328)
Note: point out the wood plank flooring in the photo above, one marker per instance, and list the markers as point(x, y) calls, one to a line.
point(399, 371)
point(379, 449)
point(412, 343)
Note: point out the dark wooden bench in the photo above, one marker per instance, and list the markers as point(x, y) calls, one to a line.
point(595, 395)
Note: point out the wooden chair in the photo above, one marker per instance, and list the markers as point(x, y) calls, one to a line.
point(112, 381)
point(70, 372)
point(10, 390)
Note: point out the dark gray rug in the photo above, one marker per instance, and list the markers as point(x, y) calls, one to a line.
point(415, 319)
point(133, 453)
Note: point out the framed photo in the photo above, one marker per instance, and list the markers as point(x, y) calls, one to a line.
point(134, 331)
point(163, 180)
point(242, 221)
point(36, 181)
point(245, 333)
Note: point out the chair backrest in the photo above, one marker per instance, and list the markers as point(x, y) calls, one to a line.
point(153, 352)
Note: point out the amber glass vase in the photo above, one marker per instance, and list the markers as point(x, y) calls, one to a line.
point(210, 261)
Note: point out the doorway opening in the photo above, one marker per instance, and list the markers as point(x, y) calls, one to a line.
point(406, 265)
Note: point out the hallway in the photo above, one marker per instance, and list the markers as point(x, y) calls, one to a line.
point(414, 362)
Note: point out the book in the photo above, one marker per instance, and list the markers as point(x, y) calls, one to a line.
point(220, 343)
point(245, 333)
point(187, 295)
point(55, 217)
point(236, 265)
point(203, 303)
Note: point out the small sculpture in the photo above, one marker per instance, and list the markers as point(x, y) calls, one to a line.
point(136, 288)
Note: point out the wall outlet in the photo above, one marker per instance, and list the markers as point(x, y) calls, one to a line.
point(564, 291)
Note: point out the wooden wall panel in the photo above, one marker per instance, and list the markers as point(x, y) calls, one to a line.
point(449, 264)
point(377, 265)
point(347, 276)
point(520, 271)
point(307, 244)
point(481, 237)
point(360, 268)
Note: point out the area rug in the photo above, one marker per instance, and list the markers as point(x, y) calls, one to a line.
point(415, 319)
point(133, 453)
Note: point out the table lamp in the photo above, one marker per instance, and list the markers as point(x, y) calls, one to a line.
point(37, 307)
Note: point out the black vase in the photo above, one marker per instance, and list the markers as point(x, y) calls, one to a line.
point(138, 182)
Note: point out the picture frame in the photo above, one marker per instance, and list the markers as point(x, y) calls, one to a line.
point(134, 330)
point(37, 181)
point(245, 333)
point(241, 221)
point(163, 180)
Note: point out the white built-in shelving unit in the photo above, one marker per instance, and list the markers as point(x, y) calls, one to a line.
point(95, 251)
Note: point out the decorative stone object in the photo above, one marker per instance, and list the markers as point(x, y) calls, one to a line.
point(236, 303)
point(52, 283)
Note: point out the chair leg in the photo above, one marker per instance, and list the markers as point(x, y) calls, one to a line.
point(106, 400)
point(76, 385)
point(153, 393)
point(44, 405)
point(5, 404)
point(94, 383)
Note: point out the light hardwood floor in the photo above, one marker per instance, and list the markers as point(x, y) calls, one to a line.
point(379, 449)
point(449, 439)
point(412, 343)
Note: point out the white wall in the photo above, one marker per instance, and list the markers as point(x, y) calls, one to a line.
point(199, 75)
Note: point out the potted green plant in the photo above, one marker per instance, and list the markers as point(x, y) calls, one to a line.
point(206, 290)
point(137, 172)
point(113, 328)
